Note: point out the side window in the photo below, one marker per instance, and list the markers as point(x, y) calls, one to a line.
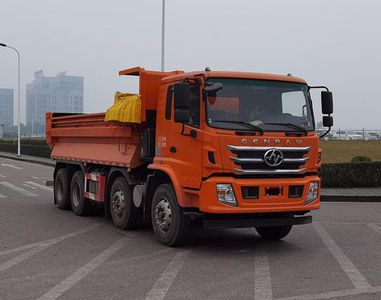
point(294, 103)
point(194, 106)
point(168, 104)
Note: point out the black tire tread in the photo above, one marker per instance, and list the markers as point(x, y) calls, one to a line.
point(64, 203)
point(84, 208)
point(274, 233)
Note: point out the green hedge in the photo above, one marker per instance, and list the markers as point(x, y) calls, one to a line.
point(359, 174)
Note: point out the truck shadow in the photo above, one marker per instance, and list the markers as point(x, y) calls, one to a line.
point(235, 240)
point(209, 240)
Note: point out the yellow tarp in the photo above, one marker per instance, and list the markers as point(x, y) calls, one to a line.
point(126, 108)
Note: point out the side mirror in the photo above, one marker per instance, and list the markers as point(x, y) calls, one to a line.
point(327, 121)
point(213, 88)
point(182, 115)
point(182, 91)
point(326, 103)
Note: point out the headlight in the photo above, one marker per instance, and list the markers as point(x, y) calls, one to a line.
point(313, 192)
point(225, 194)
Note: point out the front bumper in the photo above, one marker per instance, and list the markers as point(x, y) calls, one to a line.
point(256, 221)
point(265, 203)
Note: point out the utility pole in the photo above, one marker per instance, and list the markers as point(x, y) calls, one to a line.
point(162, 35)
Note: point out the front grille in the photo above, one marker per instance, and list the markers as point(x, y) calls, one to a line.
point(250, 160)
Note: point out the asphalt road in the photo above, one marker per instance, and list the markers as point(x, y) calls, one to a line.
point(47, 253)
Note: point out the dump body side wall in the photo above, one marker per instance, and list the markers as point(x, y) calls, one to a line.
point(88, 138)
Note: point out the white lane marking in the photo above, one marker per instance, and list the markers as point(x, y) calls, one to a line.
point(11, 166)
point(83, 271)
point(18, 189)
point(29, 186)
point(335, 294)
point(375, 227)
point(42, 187)
point(35, 177)
point(37, 248)
point(50, 241)
point(3, 196)
point(357, 279)
point(166, 278)
point(262, 278)
point(14, 261)
point(2, 176)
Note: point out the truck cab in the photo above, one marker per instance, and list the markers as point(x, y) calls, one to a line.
point(240, 146)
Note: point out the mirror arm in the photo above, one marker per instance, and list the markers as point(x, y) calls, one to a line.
point(318, 87)
point(325, 133)
point(193, 80)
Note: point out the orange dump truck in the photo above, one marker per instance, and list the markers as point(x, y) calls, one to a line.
point(226, 149)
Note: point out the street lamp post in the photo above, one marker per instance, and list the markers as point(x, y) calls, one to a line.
point(162, 35)
point(18, 97)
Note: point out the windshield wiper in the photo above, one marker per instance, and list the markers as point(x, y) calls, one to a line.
point(247, 125)
point(291, 125)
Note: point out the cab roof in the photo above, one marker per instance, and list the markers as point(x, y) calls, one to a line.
point(229, 74)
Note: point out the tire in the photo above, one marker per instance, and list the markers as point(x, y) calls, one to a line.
point(169, 223)
point(79, 204)
point(274, 233)
point(61, 189)
point(124, 214)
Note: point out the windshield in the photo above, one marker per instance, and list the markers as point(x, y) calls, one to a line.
point(269, 105)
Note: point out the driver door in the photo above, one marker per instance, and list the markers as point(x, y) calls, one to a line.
point(183, 148)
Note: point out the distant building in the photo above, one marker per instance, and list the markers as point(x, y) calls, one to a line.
point(61, 93)
point(6, 107)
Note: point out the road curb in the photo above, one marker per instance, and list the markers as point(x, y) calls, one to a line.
point(30, 160)
point(349, 198)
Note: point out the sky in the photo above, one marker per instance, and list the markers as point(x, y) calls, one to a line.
point(336, 43)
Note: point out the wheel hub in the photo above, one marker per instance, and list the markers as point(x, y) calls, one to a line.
point(118, 203)
point(163, 215)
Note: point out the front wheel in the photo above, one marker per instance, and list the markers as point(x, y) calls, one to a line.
point(168, 221)
point(274, 233)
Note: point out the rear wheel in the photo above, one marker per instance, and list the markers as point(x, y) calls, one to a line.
point(61, 189)
point(79, 204)
point(168, 221)
point(124, 214)
point(274, 233)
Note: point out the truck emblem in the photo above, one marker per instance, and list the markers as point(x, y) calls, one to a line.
point(273, 157)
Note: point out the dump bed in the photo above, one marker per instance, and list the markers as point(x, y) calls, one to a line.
point(89, 138)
